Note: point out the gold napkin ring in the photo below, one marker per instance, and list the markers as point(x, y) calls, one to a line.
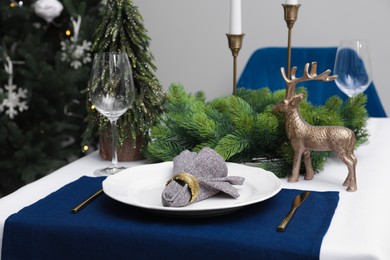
point(190, 180)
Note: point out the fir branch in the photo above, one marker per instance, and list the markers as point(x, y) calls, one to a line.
point(235, 129)
point(267, 130)
point(355, 116)
point(232, 144)
point(334, 103)
point(199, 124)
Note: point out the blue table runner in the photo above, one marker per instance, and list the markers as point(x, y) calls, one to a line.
point(107, 229)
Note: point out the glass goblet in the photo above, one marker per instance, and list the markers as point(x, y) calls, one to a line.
point(111, 90)
point(353, 67)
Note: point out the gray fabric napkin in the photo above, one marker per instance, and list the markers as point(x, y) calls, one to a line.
point(210, 171)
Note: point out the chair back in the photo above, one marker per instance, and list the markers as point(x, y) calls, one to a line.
point(263, 70)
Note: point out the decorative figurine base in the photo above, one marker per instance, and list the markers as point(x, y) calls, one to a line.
point(235, 44)
point(126, 152)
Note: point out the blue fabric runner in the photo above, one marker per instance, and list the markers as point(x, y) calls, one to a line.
point(107, 229)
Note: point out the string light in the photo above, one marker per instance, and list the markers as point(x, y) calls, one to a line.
point(85, 148)
point(92, 107)
point(68, 32)
point(14, 3)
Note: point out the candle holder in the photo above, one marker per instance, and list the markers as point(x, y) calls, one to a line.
point(235, 43)
point(290, 16)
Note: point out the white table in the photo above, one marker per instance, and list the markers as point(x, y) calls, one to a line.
point(360, 228)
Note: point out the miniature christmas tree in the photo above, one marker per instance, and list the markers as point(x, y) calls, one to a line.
point(122, 30)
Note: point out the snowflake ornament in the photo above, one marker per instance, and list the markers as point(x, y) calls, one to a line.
point(13, 97)
point(13, 101)
point(74, 52)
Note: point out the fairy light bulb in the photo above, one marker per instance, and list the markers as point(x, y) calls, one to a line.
point(68, 32)
point(12, 4)
point(92, 107)
point(85, 148)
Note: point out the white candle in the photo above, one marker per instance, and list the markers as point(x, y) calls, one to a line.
point(235, 17)
point(291, 2)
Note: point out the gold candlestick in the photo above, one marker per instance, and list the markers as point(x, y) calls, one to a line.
point(235, 43)
point(290, 16)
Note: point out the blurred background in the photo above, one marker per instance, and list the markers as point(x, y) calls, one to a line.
point(190, 46)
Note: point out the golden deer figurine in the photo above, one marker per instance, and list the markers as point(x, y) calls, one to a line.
point(305, 137)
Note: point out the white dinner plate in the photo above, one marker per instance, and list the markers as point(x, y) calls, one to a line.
point(142, 186)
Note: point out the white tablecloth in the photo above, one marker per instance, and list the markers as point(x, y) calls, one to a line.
point(360, 228)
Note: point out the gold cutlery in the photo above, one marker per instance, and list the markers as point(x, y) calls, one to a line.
point(86, 201)
point(298, 200)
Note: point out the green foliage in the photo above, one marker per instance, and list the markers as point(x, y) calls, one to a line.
point(243, 128)
point(121, 29)
point(47, 135)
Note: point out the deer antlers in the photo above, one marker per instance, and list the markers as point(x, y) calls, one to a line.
point(307, 76)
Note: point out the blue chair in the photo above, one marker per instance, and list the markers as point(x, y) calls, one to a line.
point(263, 70)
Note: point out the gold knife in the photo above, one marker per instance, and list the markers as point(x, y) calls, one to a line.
point(86, 201)
point(298, 200)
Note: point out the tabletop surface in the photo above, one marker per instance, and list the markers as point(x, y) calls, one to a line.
point(360, 226)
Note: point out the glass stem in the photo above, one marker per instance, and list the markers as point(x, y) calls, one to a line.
point(114, 160)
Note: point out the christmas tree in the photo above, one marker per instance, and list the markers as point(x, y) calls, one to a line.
point(44, 67)
point(122, 30)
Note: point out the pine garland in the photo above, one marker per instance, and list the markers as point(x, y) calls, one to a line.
point(243, 128)
point(122, 30)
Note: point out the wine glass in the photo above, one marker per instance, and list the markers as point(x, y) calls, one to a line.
point(111, 90)
point(353, 67)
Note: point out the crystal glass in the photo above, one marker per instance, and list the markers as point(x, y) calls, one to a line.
point(111, 90)
point(353, 67)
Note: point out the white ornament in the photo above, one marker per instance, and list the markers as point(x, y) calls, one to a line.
point(73, 52)
point(48, 9)
point(12, 102)
point(76, 26)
